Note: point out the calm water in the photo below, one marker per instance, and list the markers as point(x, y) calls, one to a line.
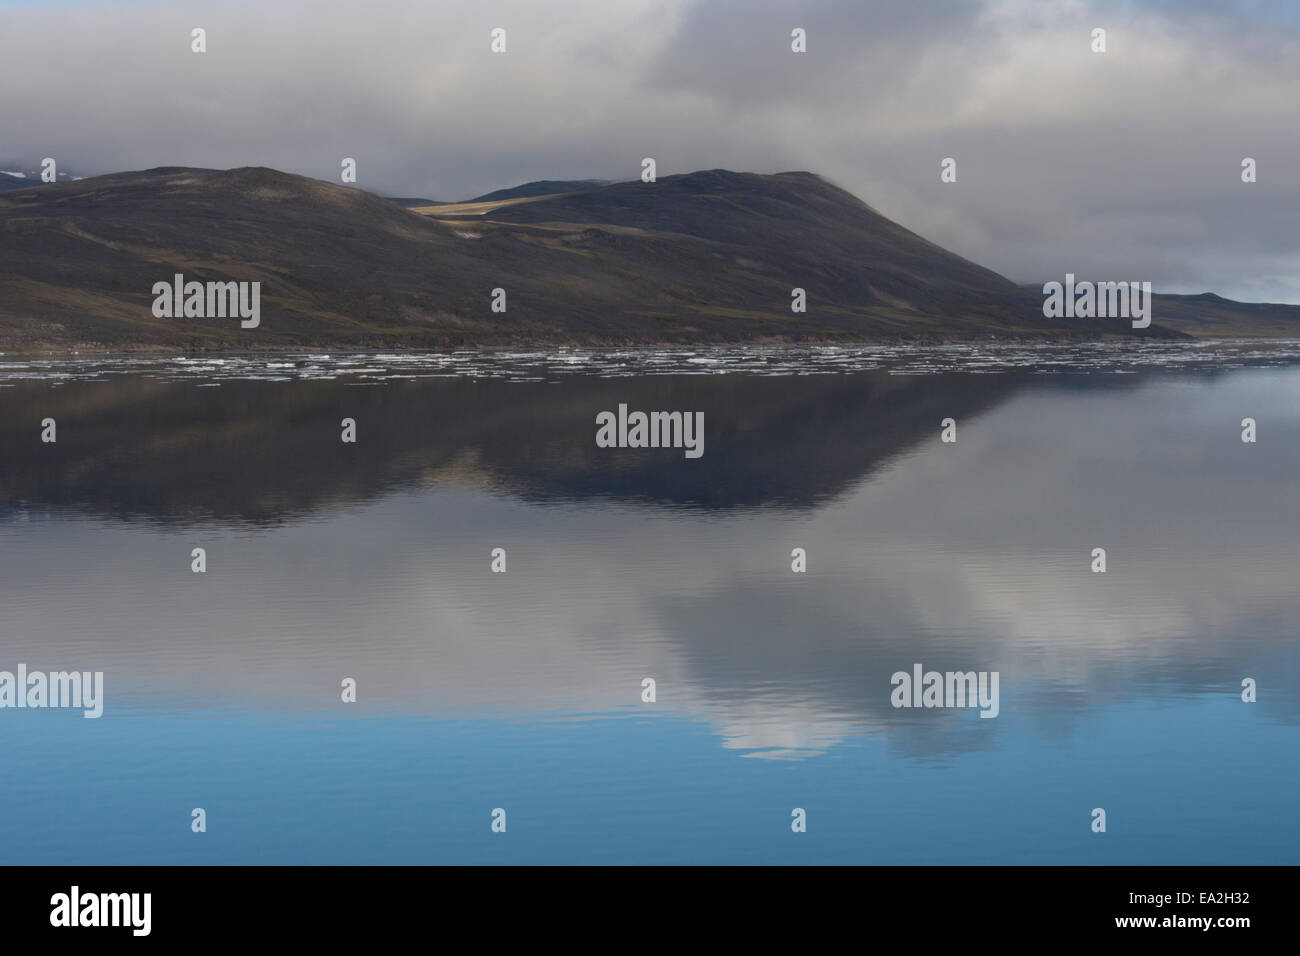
point(523, 690)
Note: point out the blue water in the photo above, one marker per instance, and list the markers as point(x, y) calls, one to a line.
point(1177, 782)
point(521, 690)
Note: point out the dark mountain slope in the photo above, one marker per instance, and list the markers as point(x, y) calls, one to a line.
point(807, 232)
point(705, 257)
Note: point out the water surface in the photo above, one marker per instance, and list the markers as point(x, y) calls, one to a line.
point(523, 690)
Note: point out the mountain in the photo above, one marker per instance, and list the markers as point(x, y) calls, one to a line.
point(706, 257)
point(1210, 315)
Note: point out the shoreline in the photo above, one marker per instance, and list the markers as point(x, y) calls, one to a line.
point(541, 346)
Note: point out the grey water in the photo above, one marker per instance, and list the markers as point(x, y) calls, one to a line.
point(523, 690)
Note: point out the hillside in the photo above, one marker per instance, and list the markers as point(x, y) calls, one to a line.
point(709, 256)
point(1210, 315)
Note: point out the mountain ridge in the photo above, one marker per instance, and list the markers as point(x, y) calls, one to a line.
point(710, 256)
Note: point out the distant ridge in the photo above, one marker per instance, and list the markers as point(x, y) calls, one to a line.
point(409, 202)
point(18, 176)
point(1210, 315)
point(542, 187)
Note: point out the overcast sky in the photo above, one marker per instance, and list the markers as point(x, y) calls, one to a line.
point(1122, 165)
